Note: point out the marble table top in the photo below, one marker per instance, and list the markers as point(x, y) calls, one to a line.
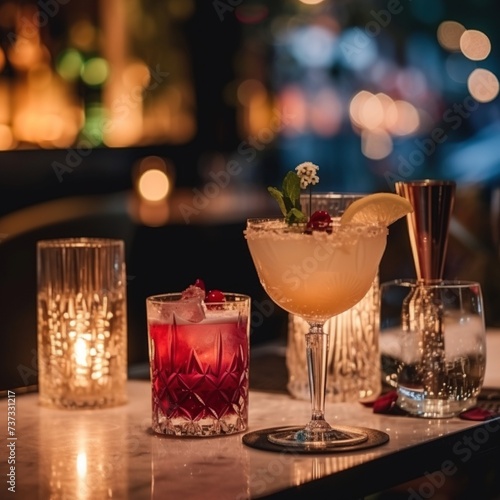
point(112, 453)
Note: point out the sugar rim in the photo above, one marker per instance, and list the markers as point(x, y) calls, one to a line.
point(341, 234)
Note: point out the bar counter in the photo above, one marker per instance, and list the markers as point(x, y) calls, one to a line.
point(112, 453)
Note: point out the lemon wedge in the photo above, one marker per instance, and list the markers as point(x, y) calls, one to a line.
point(377, 208)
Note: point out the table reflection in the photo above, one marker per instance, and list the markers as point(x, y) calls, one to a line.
point(82, 456)
point(319, 467)
point(225, 462)
point(297, 469)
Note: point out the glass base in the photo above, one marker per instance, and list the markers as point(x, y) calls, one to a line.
point(434, 408)
point(85, 402)
point(320, 439)
point(289, 439)
point(209, 426)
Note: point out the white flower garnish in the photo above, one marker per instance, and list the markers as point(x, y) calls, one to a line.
point(307, 173)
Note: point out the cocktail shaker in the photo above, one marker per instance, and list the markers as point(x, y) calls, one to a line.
point(428, 224)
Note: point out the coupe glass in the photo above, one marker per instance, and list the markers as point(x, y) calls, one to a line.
point(316, 275)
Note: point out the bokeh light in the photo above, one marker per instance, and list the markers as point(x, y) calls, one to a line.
point(83, 34)
point(401, 118)
point(70, 64)
point(153, 178)
point(379, 112)
point(372, 113)
point(483, 85)
point(357, 51)
point(153, 185)
point(314, 46)
point(325, 112)
point(448, 35)
point(95, 71)
point(356, 105)
point(376, 144)
point(475, 45)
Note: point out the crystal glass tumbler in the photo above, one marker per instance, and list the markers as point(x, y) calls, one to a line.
point(433, 344)
point(353, 368)
point(82, 323)
point(199, 357)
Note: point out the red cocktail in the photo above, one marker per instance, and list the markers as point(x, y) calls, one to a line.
point(199, 364)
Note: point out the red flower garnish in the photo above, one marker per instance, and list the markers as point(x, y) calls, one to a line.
point(320, 221)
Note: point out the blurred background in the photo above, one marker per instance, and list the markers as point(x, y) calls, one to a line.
point(161, 122)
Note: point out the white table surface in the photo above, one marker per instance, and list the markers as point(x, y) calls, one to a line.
point(112, 453)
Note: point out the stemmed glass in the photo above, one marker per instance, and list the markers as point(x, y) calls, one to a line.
point(316, 275)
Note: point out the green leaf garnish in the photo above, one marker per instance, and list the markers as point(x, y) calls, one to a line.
point(289, 197)
point(291, 189)
point(278, 196)
point(295, 216)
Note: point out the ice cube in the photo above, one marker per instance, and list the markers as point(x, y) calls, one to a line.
point(193, 292)
point(189, 310)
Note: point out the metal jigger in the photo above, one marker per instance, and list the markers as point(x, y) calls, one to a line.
point(432, 202)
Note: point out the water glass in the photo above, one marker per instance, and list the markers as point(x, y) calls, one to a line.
point(82, 323)
point(199, 356)
point(433, 344)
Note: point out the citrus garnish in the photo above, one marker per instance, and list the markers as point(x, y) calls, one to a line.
point(377, 208)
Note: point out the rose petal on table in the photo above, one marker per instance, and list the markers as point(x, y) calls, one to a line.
point(477, 413)
point(386, 403)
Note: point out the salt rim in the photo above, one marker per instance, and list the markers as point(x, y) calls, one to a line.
point(278, 229)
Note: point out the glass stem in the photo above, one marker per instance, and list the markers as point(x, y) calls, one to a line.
point(317, 342)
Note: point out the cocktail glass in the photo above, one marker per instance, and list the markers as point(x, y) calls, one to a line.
point(316, 275)
point(199, 364)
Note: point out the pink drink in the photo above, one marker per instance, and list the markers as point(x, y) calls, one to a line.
point(199, 373)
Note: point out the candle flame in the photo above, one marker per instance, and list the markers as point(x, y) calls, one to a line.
point(81, 352)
